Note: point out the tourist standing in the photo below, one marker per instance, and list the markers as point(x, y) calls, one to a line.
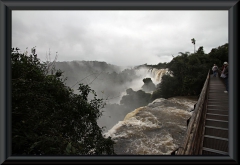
point(215, 70)
point(225, 72)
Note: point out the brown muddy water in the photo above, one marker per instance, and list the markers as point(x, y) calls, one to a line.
point(155, 129)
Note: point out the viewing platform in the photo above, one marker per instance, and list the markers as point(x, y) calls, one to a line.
point(215, 140)
point(208, 128)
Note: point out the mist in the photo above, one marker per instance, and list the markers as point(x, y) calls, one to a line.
point(110, 83)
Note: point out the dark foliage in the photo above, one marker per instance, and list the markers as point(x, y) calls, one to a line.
point(158, 66)
point(168, 88)
point(135, 99)
point(189, 72)
point(218, 56)
point(48, 118)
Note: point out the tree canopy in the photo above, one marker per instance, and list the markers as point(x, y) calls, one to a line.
point(48, 118)
point(189, 72)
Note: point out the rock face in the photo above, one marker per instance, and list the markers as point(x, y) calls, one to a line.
point(148, 85)
point(155, 129)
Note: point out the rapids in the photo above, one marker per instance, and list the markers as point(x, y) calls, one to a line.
point(155, 129)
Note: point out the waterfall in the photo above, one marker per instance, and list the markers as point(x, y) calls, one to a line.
point(158, 73)
point(155, 74)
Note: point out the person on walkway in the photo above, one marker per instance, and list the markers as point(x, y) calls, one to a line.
point(225, 71)
point(215, 70)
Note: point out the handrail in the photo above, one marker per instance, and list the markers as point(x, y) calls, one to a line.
point(195, 131)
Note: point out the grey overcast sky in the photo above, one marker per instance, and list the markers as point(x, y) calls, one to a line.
point(124, 38)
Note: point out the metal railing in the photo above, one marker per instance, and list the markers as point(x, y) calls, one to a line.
point(195, 132)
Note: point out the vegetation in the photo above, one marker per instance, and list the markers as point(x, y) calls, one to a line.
point(135, 99)
point(189, 72)
point(158, 66)
point(218, 55)
point(148, 85)
point(48, 118)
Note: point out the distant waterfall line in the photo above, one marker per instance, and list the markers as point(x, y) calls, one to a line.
point(158, 73)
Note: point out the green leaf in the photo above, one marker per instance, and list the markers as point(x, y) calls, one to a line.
point(73, 150)
point(68, 148)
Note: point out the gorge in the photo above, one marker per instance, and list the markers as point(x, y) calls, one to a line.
point(156, 128)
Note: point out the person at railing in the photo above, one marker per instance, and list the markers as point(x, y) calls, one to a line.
point(215, 70)
point(224, 75)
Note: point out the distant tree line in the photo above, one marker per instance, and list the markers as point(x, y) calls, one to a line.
point(158, 66)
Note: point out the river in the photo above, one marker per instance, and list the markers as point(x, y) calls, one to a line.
point(155, 129)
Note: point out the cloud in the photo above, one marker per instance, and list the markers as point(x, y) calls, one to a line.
point(118, 37)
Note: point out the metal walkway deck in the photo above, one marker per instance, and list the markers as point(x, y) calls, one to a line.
point(215, 140)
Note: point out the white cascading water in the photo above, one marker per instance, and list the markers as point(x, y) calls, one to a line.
point(158, 73)
point(154, 74)
point(155, 129)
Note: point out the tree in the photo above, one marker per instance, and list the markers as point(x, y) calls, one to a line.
point(48, 118)
point(168, 87)
point(189, 73)
point(218, 55)
point(193, 41)
point(200, 50)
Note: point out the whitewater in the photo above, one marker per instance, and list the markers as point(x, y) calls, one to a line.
point(155, 129)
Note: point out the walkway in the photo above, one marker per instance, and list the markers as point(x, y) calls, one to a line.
point(216, 126)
